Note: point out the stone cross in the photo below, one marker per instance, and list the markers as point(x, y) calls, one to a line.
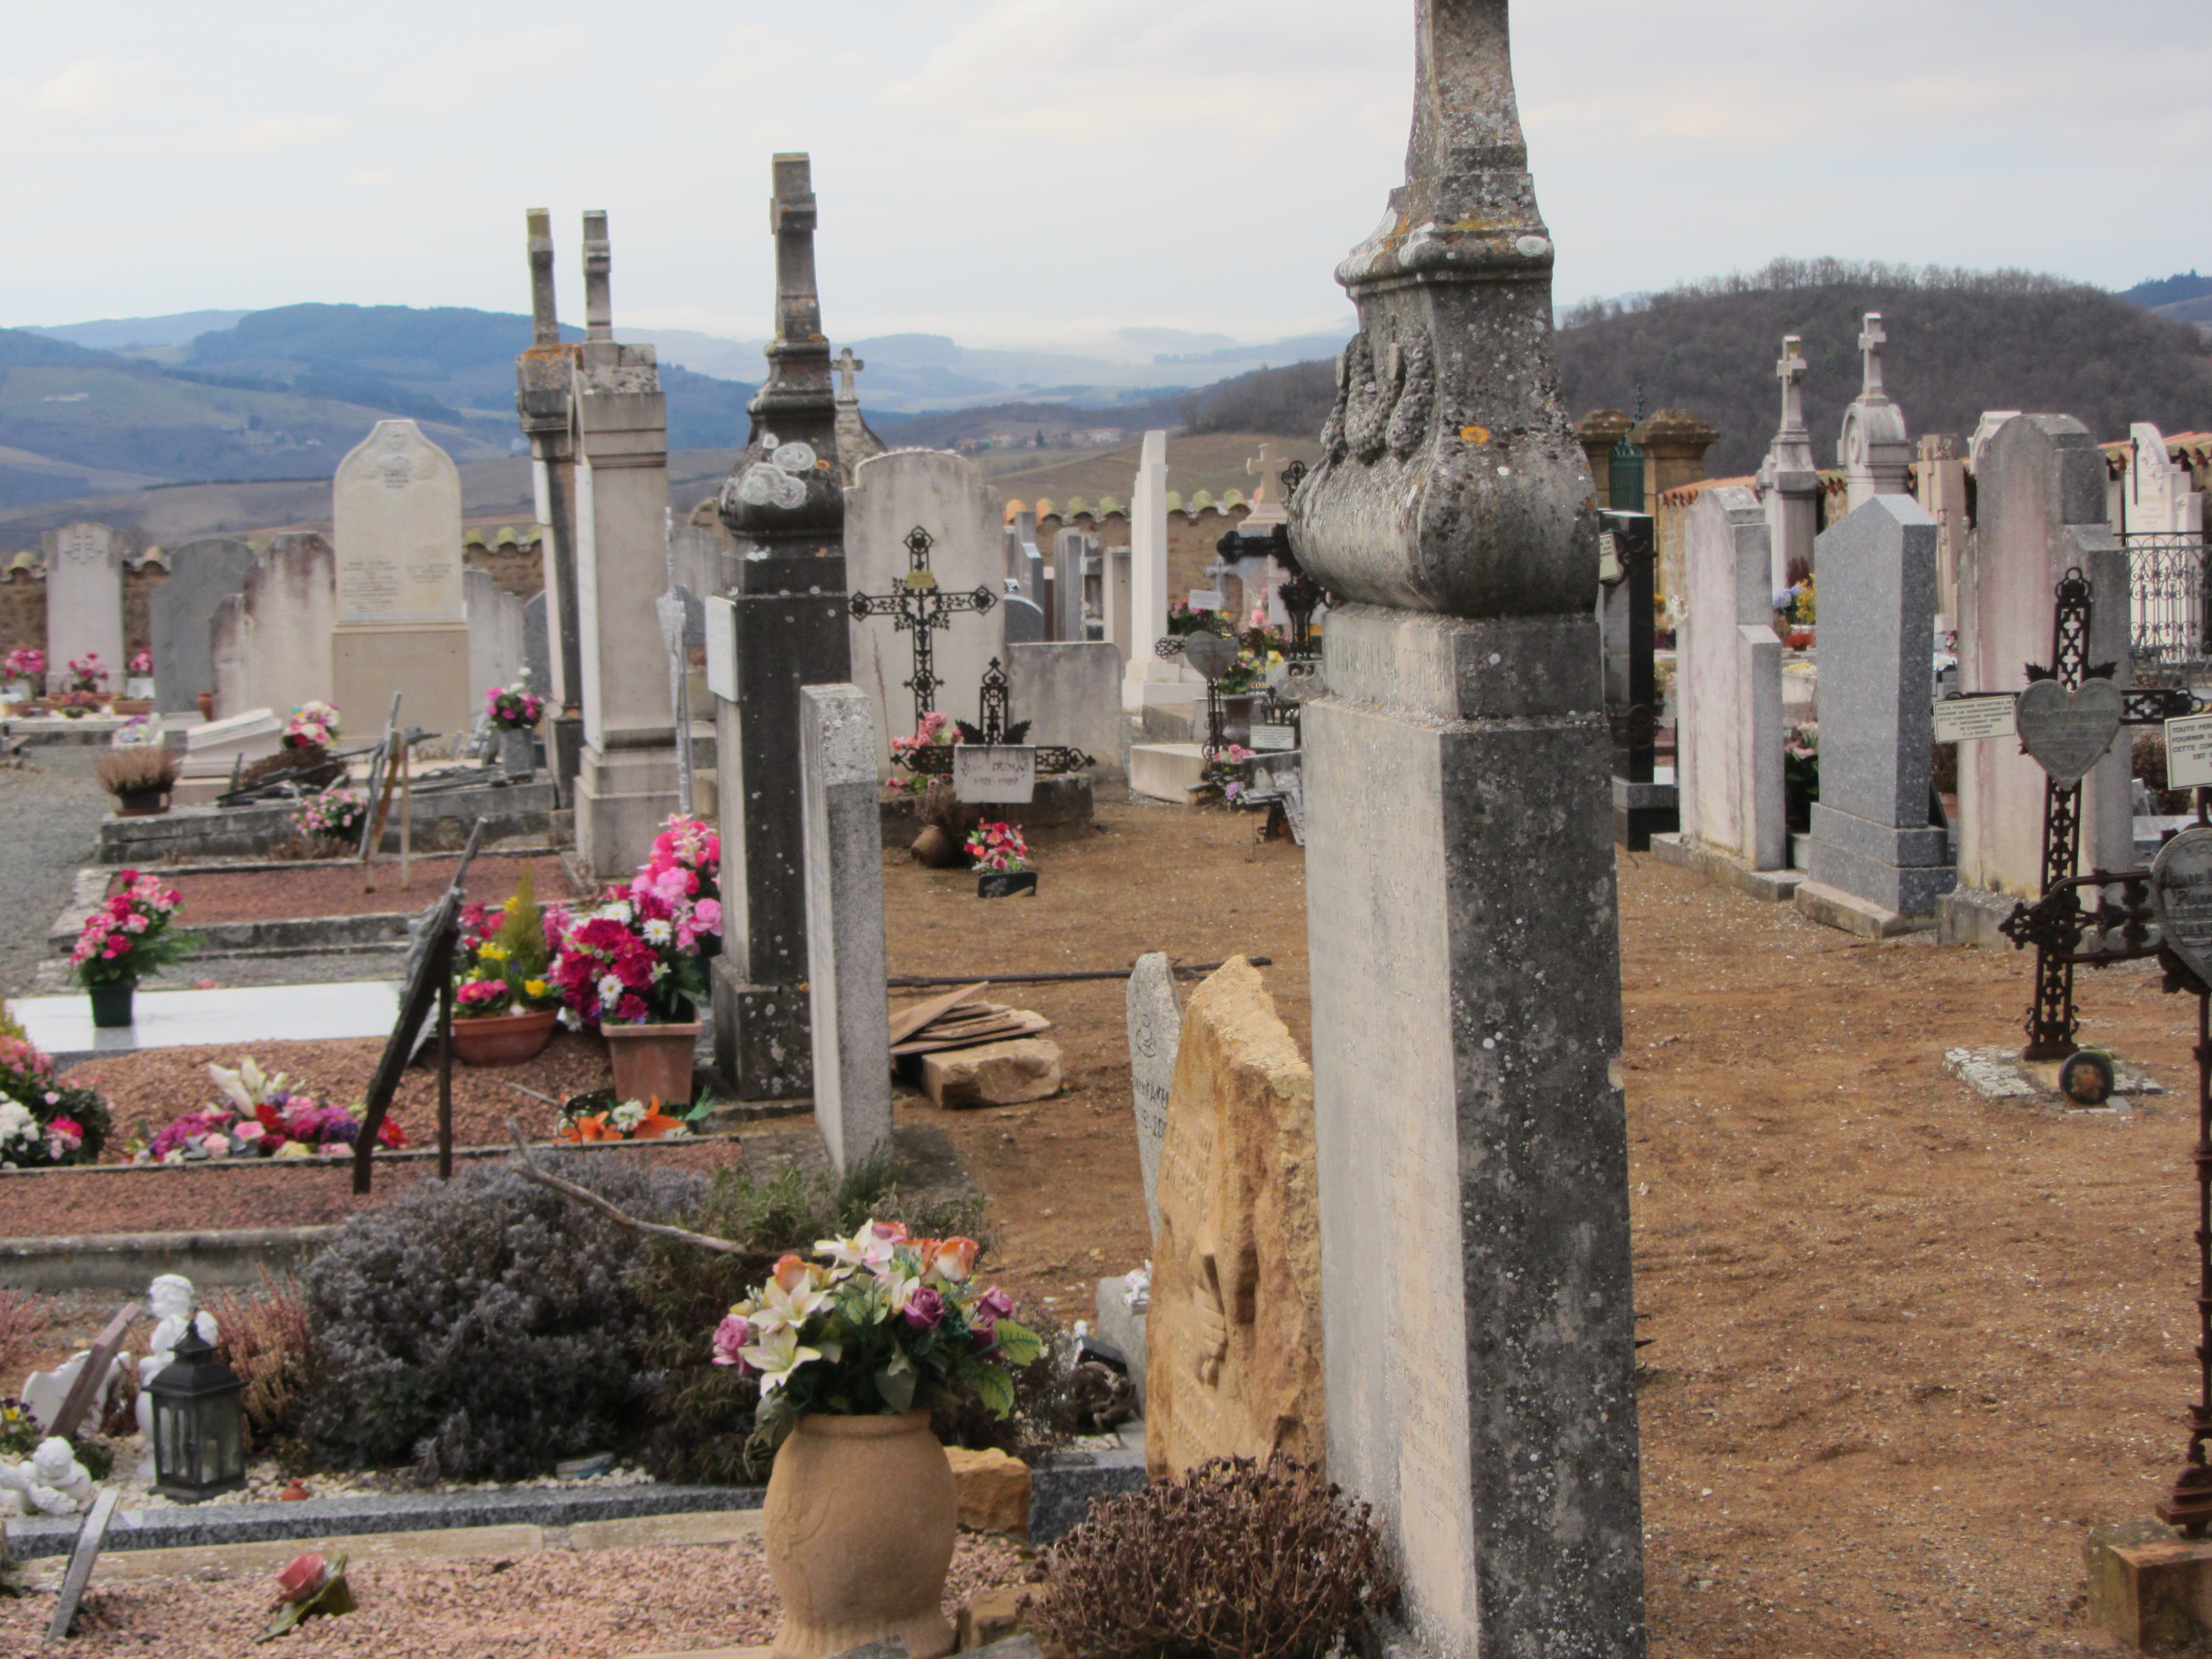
point(1267, 466)
point(792, 217)
point(1872, 338)
point(847, 366)
point(598, 266)
point(1790, 370)
point(545, 323)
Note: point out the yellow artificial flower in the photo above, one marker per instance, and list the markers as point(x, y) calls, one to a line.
point(534, 987)
point(492, 951)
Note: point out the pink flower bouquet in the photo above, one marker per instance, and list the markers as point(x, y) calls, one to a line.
point(313, 724)
point(88, 672)
point(999, 848)
point(27, 662)
point(128, 937)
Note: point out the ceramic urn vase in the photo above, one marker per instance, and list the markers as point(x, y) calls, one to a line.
point(860, 1521)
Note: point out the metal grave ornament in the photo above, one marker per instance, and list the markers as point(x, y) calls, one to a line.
point(2066, 732)
point(1211, 654)
point(2181, 898)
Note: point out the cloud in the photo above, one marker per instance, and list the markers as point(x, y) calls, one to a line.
point(93, 86)
point(498, 67)
point(283, 132)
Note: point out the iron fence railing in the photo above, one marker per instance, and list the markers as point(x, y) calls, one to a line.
point(2167, 615)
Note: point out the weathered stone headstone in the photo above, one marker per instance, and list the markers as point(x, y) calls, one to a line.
point(845, 947)
point(947, 498)
point(1873, 448)
point(1147, 677)
point(202, 574)
point(89, 1537)
point(1155, 1032)
point(2159, 496)
point(1233, 1339)
point(1470, 1146)
point(1940, 484)
point(1118, 600)
point(84, 601)
point(2181, 898)
point(402, 621)
point(1872, 840)
point(1071, 693)
point(1024, 621)
point(269, 643)
point(1071, 550)
point(537, 643)
point(1789, 480)
point(1729, 728)
point(496, 651)
point(781, 625)
point(2041, 511)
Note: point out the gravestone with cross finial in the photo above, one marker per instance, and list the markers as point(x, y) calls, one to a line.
point(1467, 1129)
point(1267, 499)
point(1874, 449)
point(856, 440)
point(946, 497)
point(1789, 481)
point(779, 624)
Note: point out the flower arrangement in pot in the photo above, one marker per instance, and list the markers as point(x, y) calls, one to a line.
point(137, 771)
point(635, 965)
point(43, 1124)
point(260, 1115)
point(853, 1350)
point(514, 712)
point(25, 671)
point(329, 823)
point(129, 937)
point(88, 674)
point(313, 724)
point(1001, 860)
point(138, 671)
point(505, 1006)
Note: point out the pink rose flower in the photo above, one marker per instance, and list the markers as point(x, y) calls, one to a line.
point(732, 1335)
point(993, 1305)
point(925, 1308)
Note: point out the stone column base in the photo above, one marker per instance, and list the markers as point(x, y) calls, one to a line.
point(622, 798)
point(2150, 1586)
point(763, 1035)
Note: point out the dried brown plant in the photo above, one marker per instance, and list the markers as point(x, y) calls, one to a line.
point(269, 1339)
point(142, 766)
point(24, 1317)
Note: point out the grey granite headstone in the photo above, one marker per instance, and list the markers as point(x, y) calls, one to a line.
point(848, 993)
point(201, 575)
point(1155, 1035)
point(1069, 549)
point(537, 644)
point(1871, 837)
point(1024, 621)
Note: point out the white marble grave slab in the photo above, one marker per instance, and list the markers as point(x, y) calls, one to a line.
point(174, 1019)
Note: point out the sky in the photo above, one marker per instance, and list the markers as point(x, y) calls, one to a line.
point(1029, 172)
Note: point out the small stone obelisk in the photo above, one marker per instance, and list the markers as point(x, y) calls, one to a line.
point(1472, 1147)
point(779, 625)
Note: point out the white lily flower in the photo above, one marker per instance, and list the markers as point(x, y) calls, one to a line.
point(776, 1356)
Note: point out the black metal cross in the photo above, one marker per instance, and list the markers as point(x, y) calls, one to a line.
point(918, 606)
point(999, 727)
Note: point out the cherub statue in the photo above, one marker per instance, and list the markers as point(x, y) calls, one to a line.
point(53, 1483)
point(171, 1299)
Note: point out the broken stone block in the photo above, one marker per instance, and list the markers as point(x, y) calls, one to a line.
point(994, 1074)
point(994, 1490)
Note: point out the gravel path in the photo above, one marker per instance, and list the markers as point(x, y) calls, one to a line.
point(49, 813)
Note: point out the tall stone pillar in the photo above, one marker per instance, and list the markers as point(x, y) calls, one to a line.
point(543, 378)
point(1675, 442)
point(1598, 432)
point(1461, 903)
point(1939, 482)
point(1147, 678)
point(779, 624)
point(1789, 481)
point(626, 781)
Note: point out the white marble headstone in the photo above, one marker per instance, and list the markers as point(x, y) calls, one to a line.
point(397, 511)
point(1155, 1035)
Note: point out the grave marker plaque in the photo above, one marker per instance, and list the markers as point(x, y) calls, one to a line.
point(994, 773)
point(2189, 752)
point(2181, 898)
point(2066, 732)
point(1967, 720)
point(1267, 739)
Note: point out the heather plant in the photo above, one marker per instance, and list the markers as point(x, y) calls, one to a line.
point(1233, 1560)
point(484, 1327)
point(269, 1339)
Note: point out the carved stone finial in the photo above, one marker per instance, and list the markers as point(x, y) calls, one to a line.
point(544, 321)
point(1872, 337)
point(599, 264)
point(1450, 480)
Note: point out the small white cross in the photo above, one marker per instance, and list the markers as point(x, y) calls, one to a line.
point(847, 366)
point(1267, 466)
point(1871, 340)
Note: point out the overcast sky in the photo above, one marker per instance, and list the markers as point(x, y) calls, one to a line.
point(1022, 172)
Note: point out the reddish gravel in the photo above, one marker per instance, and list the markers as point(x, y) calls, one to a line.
point(146, 1090)
point(269, 1193)
point(556, 1604)
point(336, 891)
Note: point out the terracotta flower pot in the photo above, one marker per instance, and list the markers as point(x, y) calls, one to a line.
point(934, 849)
point(860, 1521)
point(206, 700)
point(503, 1039)
point(653, 1062)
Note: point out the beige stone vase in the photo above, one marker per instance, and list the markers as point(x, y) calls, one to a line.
point(860, 1521)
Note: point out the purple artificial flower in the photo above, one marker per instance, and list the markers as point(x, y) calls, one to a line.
point(993, 1305)
point(925, 1310)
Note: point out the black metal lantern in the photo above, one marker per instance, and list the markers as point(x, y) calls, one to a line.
point(199, 1423)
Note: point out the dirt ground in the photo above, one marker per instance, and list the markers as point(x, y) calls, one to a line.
point(1906, 1347)
point(323, 890)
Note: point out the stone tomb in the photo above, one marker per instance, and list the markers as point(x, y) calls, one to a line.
point(497, 644)
point(402, 623)
point(1879, 865)
point(180, 612)
point(946, 496)
point(84, 601)
point(1730, 728)
point(1233, 1339)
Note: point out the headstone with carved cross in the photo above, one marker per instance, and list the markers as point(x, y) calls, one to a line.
point(1873, 448)
point(856, 441)
point(1789, 482)
point(780, 624)
point(1267, 508)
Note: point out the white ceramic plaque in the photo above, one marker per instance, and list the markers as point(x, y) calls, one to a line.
point(722, 647)
point(1267, 740)
point(1205, 598)
point(2189, 752)
point(995, 773)
point(1963, 720)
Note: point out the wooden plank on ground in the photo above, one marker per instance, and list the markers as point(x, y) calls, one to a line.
point(905, 1021)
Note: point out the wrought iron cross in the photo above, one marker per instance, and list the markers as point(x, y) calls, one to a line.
point(917, 605)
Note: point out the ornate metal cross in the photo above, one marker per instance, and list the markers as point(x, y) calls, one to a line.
point(917, 605)
point(996, 706)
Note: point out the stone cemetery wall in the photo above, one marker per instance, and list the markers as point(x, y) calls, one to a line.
point(1233, 1341)
point(517, 564)
point(1071, 693)
point(23, 605)
point(1730, 692)
point(2041, 509)
point(947, 495)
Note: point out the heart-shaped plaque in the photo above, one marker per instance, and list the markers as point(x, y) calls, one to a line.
point(1210, 654)
point(1297, 680)
point(2181, 898)
point(2068, 732)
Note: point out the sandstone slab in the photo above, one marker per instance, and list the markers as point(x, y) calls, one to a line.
point(1233, 1337)
point(993, 1073)
point(994, 1491)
